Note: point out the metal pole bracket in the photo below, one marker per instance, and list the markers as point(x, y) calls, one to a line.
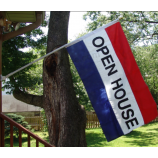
point(2, 78)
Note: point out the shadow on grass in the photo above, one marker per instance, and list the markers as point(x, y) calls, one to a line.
point(15, 141)
point(144, 136)
point(135, 138)
point(95, 139)
point(154, 129)
point(142, 139)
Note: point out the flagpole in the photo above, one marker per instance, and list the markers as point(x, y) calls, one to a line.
point(10, 74)
point(64, 46)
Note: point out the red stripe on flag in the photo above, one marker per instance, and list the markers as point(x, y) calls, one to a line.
point(140, 90)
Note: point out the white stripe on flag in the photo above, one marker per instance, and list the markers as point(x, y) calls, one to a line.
point(107, 80)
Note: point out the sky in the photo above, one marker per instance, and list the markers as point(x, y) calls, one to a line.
point(76, 24)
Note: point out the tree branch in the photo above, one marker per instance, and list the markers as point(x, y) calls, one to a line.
point(154, 34)
point(152, 22)
point(28, 98)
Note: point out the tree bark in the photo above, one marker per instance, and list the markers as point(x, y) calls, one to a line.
point(66, 118)
point(28, 98)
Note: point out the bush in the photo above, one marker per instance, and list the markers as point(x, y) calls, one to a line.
point(44, 120)
point(20, 120)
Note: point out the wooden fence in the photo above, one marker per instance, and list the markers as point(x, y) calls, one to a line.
point(35, 122)
point(92, 120)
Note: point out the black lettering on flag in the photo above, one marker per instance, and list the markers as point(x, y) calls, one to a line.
point(96, 39)
point(117, 84)
point(104, 50)
point(123, 107)
point(127, 114)
point(111, 67)
point(122, 95)
point(131, 121)
point(107, 58)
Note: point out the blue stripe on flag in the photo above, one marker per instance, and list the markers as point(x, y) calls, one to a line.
point(95, 89)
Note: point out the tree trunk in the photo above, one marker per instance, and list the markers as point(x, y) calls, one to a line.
point(66, 118)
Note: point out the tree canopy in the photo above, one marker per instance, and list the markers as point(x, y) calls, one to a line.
point(139, 26)
point(14, 58)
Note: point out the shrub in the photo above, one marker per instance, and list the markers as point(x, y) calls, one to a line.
point(20, 120)
point(44, 120)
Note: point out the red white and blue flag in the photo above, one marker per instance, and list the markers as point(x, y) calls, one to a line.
point(118, 93)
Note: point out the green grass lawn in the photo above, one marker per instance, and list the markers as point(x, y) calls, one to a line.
point(145, 136)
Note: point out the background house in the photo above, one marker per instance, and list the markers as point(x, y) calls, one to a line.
point(12, 105)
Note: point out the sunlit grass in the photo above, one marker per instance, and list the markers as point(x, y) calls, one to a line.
point(145, 136)
point(43, 135)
